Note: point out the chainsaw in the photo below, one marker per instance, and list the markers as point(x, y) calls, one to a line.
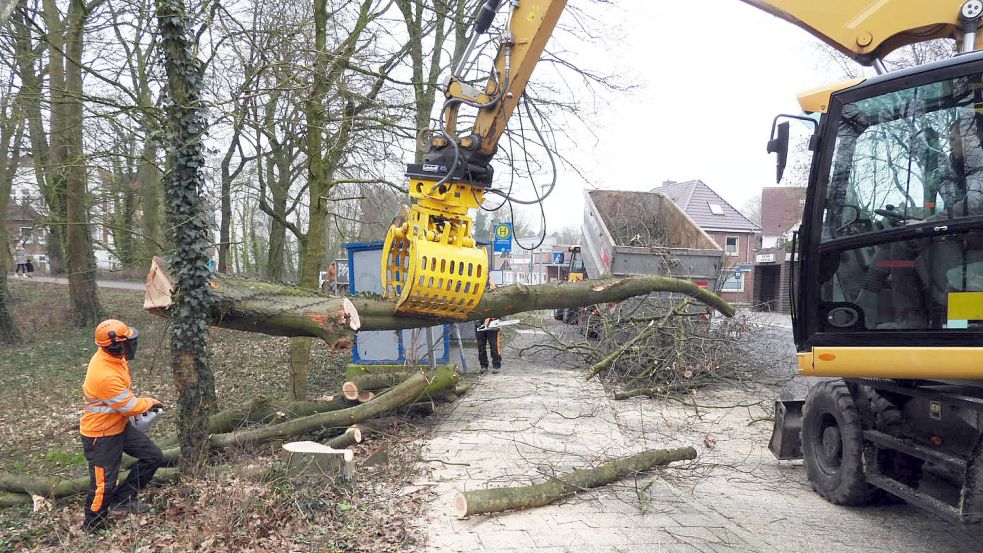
point(147, 419)
point(496, 324)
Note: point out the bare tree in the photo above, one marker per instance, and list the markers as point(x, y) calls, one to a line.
point(11, 134)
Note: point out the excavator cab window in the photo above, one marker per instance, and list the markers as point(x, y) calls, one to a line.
point(576, 261)
point(901, 239)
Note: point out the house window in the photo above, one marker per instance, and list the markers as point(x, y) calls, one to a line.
point(731, 245)
point(25, 235)
point(715, 209)
point(735, 283)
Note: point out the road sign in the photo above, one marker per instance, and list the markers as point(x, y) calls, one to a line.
point(557, 258)
point(503, 238)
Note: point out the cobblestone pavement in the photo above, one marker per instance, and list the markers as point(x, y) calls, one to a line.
point(518, 426)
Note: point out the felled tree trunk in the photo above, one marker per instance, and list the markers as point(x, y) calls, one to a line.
point(283, 310)
point(22, 486)
point(523, 497)
point(372, 382)
point(257, 306)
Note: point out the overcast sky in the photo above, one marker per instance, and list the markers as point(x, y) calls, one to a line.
point(713, 74)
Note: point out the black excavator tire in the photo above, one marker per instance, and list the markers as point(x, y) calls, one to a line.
point(837, 476)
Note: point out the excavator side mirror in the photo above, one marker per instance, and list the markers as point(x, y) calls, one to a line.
point(779, 145)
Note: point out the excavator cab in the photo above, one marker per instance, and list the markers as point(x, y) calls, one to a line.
point(888, 293)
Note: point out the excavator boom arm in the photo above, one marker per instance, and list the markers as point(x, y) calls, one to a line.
point(867, 30)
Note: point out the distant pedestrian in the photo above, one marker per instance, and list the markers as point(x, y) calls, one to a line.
point(29, 266)
point(332, 278)
point(490, 339)
point(20, 258)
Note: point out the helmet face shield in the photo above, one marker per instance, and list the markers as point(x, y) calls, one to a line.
point(130, 349)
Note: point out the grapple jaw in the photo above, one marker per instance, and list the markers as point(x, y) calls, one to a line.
point(430, 262)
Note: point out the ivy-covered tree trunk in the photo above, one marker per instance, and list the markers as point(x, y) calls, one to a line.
point(186, 216)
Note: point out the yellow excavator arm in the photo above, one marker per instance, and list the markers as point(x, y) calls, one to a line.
point(869, 30)
point(430, 262)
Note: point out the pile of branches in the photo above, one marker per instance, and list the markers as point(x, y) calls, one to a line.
point(658, 345)
point(636, 224)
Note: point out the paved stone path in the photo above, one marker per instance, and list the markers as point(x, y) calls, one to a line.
point(118, 284)
point(516, 427)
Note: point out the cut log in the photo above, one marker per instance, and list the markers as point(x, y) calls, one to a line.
point(351, 437)
point(523, 497)
point(264, 410)
point(353, 369)
point(373, 382)
point(14, 499)
point(22, 484)
point(283, 310)
point(311, 462)
point(365, 395)
point(257, 306)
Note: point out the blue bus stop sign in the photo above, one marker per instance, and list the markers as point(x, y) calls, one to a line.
point(503, 238)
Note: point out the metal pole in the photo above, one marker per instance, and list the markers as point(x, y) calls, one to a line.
point(460, 347)
point(430, 347)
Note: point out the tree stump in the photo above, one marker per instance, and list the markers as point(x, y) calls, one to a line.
point(314, 464)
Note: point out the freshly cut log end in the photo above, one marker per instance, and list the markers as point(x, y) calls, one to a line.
point(157, 297)
point(350, 390)
point(460, 505)
point(351, 314)
point(356, 434)
point(365, 395)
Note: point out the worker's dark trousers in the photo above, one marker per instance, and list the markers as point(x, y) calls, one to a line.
point(104, 456)
point(493, 341)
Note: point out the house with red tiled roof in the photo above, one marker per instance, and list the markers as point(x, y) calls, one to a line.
point(732, 231)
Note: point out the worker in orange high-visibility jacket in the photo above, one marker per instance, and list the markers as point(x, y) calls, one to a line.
point(489, 338)
point(106, 431)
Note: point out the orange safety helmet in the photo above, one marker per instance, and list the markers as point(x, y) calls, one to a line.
point(111, 331)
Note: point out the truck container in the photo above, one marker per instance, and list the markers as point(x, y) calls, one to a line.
point(645, 233)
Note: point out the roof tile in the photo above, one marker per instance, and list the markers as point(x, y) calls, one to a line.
point(694, 197)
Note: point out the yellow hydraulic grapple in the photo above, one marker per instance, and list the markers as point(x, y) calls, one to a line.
point(430, 263)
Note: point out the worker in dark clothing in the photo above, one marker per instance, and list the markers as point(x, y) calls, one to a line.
point(106, 429)
point(491, 338)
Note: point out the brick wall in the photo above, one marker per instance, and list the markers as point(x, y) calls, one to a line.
point(747, 242)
